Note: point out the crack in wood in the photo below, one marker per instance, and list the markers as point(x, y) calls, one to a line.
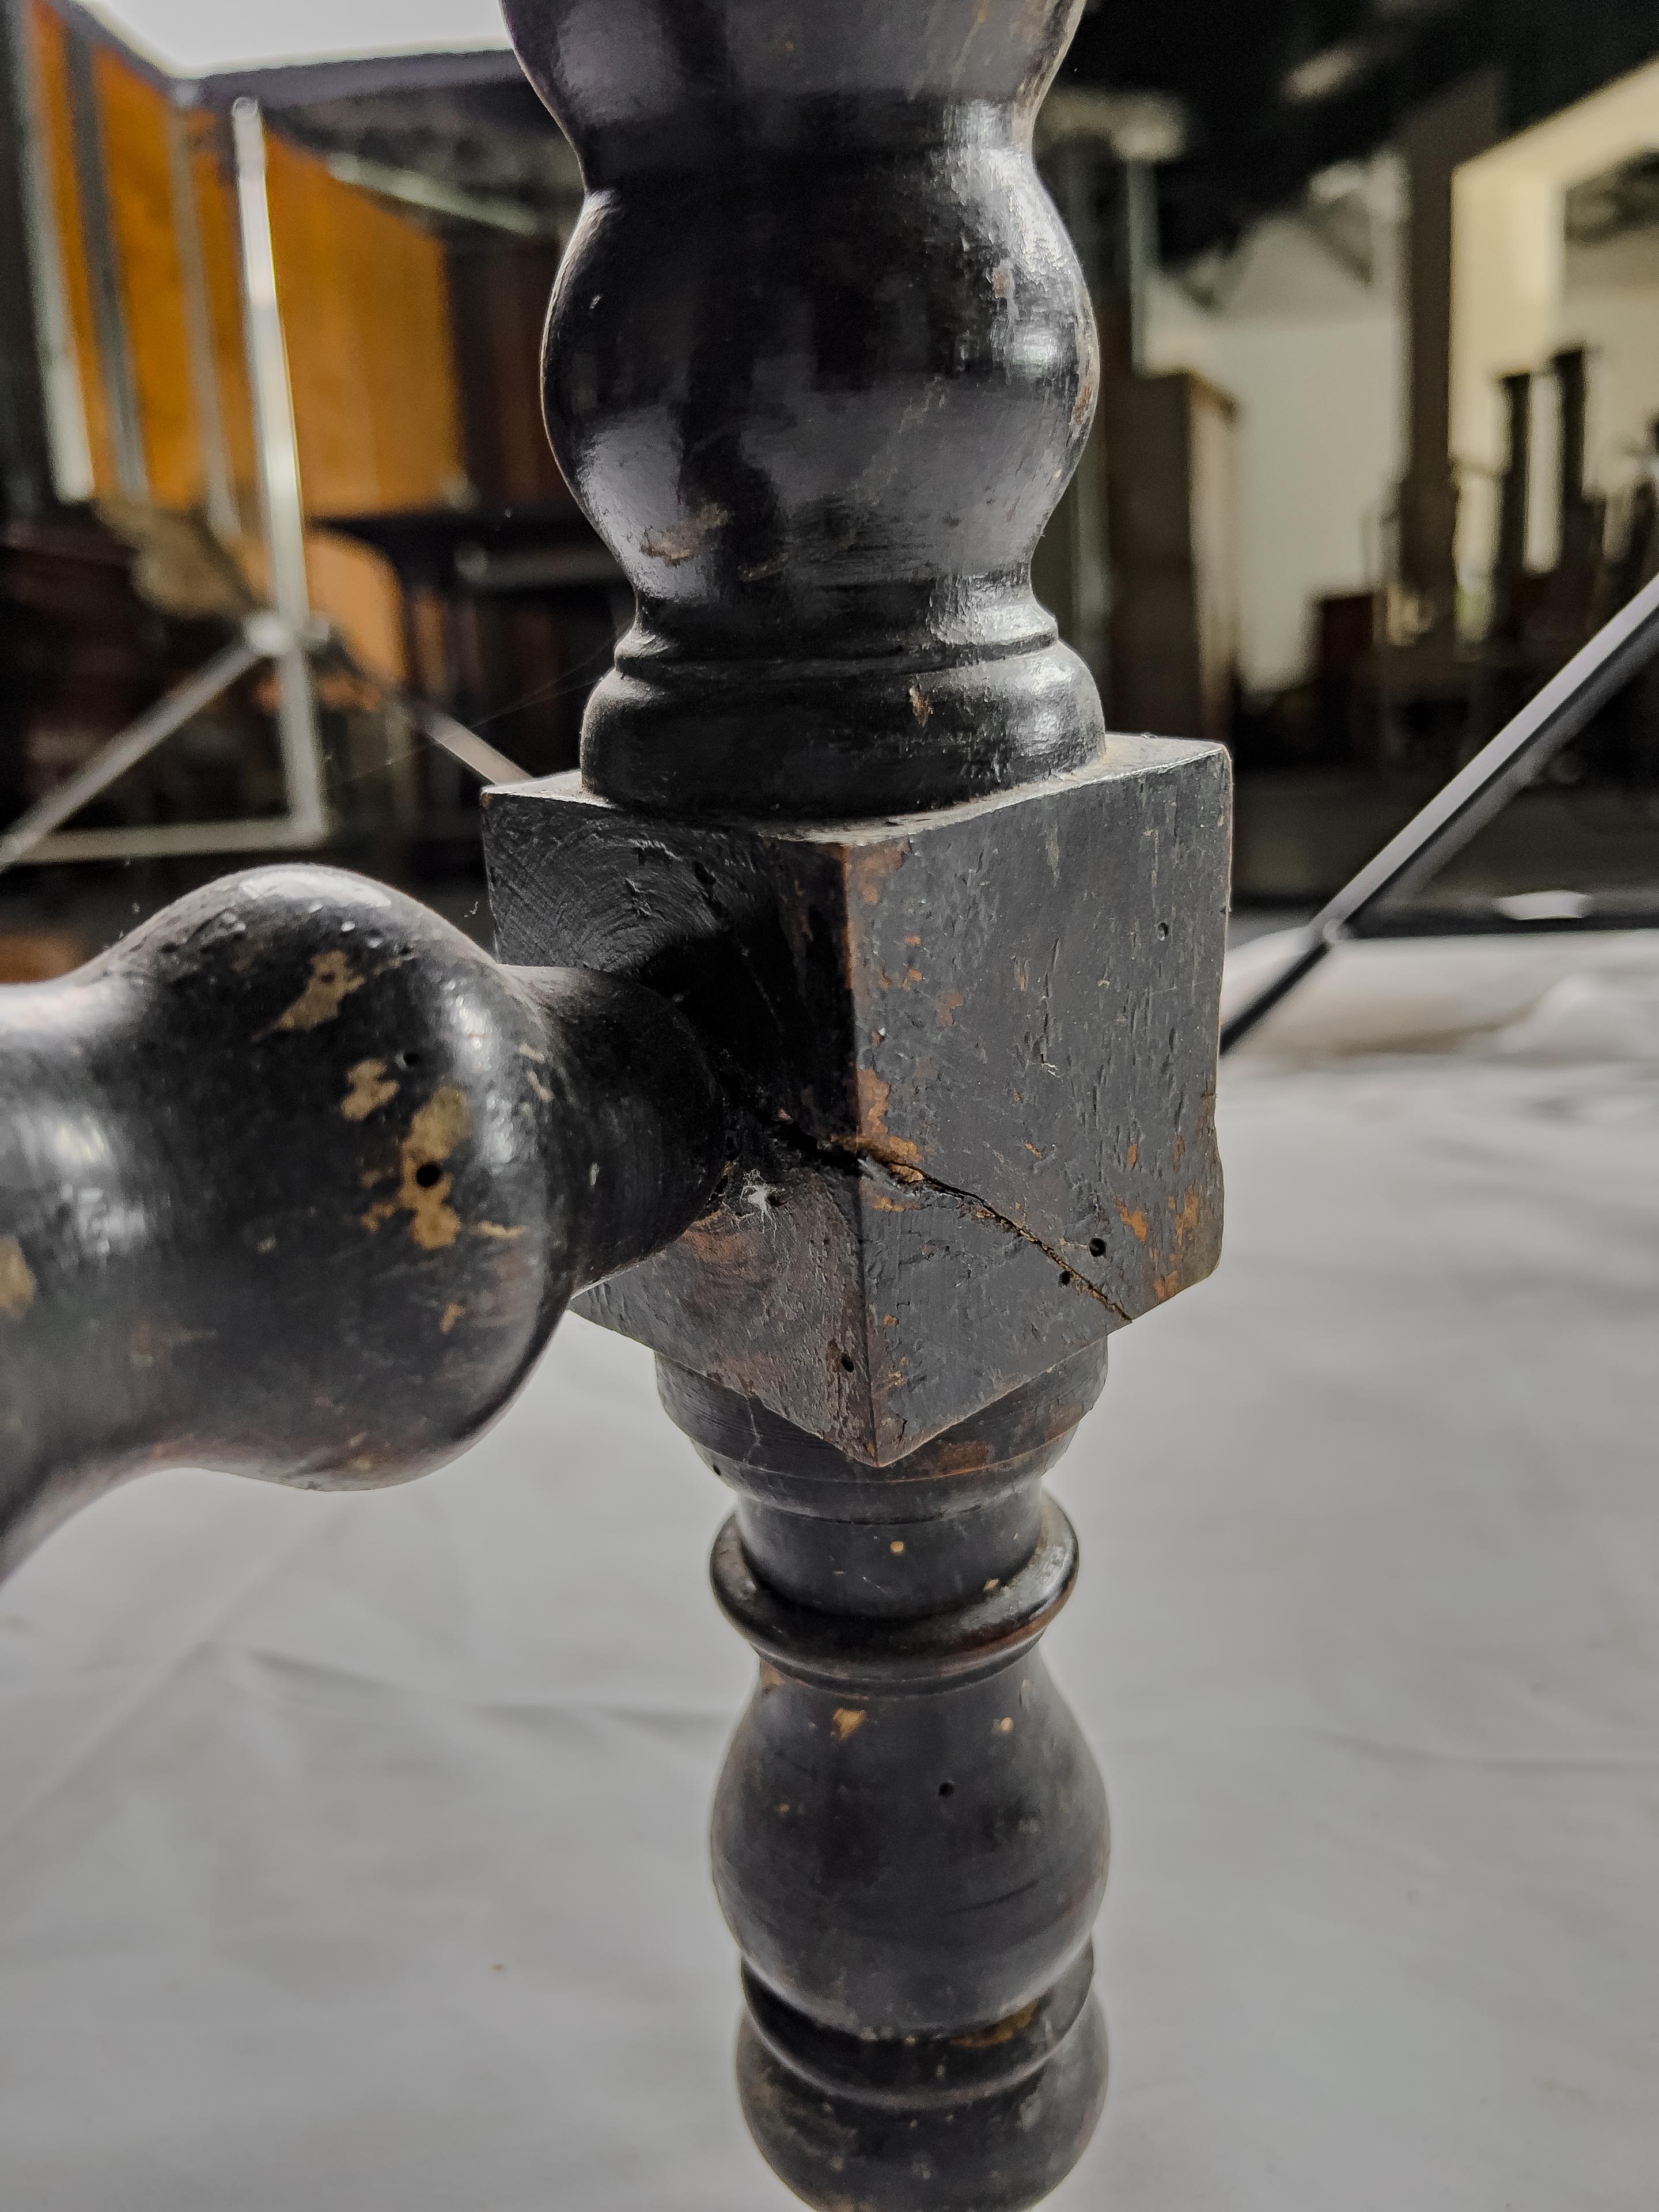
point(901, 1172)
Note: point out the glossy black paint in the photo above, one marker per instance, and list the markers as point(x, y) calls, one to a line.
point(820, 363)
point(910, 1836)
point(295, 1182)
point(990, 2122)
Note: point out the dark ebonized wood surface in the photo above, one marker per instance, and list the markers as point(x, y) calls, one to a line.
point(854, 1046)
point(296, 1182)
point(819, 365)
point(911, 1835)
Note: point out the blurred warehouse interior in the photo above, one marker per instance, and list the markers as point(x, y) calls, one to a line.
point(1377, 283)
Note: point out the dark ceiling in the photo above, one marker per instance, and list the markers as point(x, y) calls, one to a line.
point(1279, 89)
point(1275, 91)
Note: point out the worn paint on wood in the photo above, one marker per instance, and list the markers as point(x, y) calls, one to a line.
point(953, 1204)
point(296, 1181)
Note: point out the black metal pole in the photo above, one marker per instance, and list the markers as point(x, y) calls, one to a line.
point(1474, 795)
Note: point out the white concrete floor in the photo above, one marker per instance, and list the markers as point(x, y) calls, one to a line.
point(351, 1851)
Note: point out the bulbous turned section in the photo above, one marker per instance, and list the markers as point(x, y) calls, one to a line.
point(820, 363)
point(991, 2121)
point(295, 1182)
point(909, 1834)
point(917, 1860)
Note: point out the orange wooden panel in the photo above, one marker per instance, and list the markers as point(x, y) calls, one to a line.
point(367, 308)
point(366, 301)
point(366, 305)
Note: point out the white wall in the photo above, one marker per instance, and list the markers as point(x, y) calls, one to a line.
point(1519, 293)
point(1611, 305)
point(1313, 358)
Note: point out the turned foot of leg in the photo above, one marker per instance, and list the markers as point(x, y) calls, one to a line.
point(910, 1836)
point(988, 2121)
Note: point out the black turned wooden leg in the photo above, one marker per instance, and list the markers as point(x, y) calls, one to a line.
point(977, 1047)
point(909, 1837)
point(820, 363)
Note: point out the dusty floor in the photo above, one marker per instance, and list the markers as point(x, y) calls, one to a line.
point(351, 1852)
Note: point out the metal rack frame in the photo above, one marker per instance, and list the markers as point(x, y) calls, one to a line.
point(286, 633)
point(1477, 792)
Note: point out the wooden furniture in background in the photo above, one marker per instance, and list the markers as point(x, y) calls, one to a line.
point(367, 313)
point(510, 615)
point(1170, 464)
point(498, 293)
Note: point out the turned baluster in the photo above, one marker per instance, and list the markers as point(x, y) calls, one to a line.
point(911, 1834)
point(819, 364)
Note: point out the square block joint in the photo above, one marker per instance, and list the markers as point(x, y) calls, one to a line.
point(979, 1044)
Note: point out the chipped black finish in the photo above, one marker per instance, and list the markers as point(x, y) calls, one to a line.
point(983, 1039)
point(820, 363)
point(295, 1182)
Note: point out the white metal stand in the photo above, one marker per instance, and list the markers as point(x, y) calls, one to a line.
point(281, 508)
point(286, 634)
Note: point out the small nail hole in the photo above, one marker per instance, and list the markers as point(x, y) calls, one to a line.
point(1065, 1279)
point(1098, 1246)
point(947, 1789)
point(849, 1365)
point(427, 1173)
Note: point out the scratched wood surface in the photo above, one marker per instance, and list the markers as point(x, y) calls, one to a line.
point(980, 1042)
point(861, 976)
